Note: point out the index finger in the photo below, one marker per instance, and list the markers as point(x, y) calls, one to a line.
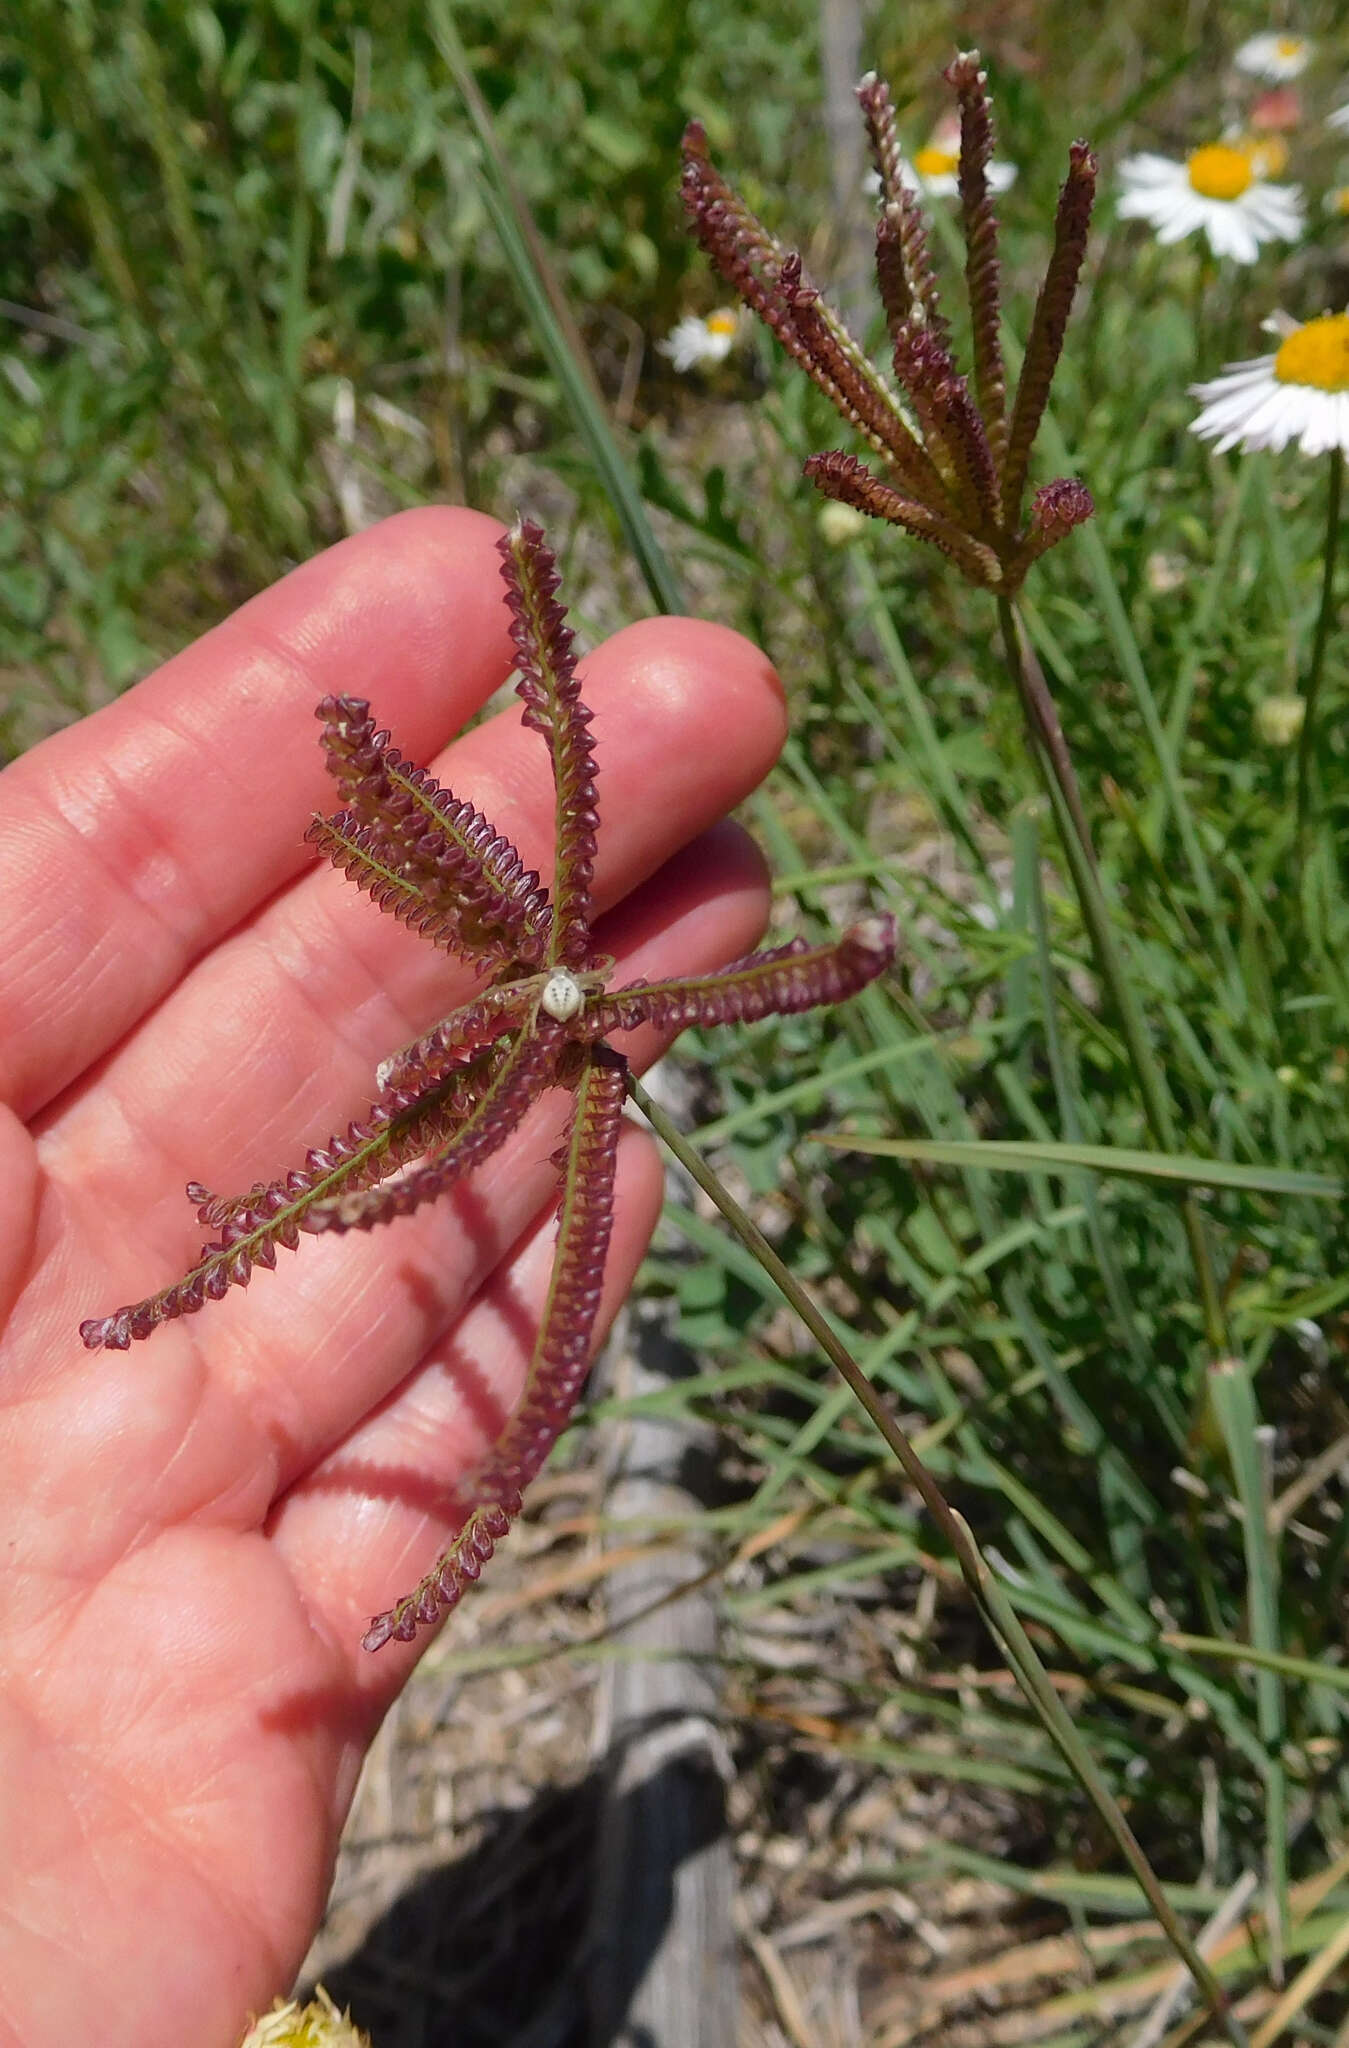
point(131, 842)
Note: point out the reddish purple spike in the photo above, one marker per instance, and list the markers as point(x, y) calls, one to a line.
point(1056, 509)
point(981, 245)
point(428, 856)
point(551, 694)
point(908, 281)
point(843, 477)
point(1049, 323)
point(958, 481)
point(561, 1358)
point(869, 405)
point(516, 1083)
point(952, 429)
point(781, 981)
point(769, 279)
point(274, 1214)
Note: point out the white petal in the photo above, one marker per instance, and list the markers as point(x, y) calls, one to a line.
point(1277, 419)
point(1175, 229)
point(1254, 53)
point(1193, 209)
point(1236, 378)
point(1182, 215)
point(1230, 234)
point(1264, 422)
point(1274, 211)
point(1313, 425)
point(690, 342)
point(1149, 170)
point(1339, 119)
point(1326, 423)
point(1230, 417)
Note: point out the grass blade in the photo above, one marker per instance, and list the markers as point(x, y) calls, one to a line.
point(1029, 1156)
point(557, 333)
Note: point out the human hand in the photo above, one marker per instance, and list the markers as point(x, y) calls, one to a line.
point(198, 1528)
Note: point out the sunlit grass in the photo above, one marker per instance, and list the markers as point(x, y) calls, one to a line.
point(218, 234)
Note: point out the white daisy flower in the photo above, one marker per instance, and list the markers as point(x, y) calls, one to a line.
point(701, 338)
point(1274, 56)
point(1217, 189)
point(1300, 393)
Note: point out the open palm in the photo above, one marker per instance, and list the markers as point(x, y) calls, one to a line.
point(196, 1532)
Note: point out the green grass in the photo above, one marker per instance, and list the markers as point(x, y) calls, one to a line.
point(219, 216)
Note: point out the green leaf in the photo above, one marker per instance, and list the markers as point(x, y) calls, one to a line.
point(1031, 1156)
point(619, 146)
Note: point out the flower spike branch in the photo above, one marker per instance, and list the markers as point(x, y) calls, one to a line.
point(450, 1099)
point(952, 462)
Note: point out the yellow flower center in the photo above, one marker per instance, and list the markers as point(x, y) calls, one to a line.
point(1289, 46)
point(1338, 200)
point(1218, 171)
point(936, 163)
point(722, 322)
point(1317, 354)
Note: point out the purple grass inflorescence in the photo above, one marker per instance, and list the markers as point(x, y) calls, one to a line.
point(449, 1100)
point(953, 462)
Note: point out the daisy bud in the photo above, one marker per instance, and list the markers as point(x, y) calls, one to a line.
point(840, 524)
point(1279, 720)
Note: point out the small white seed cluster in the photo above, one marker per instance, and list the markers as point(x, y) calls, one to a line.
point(563, 997)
